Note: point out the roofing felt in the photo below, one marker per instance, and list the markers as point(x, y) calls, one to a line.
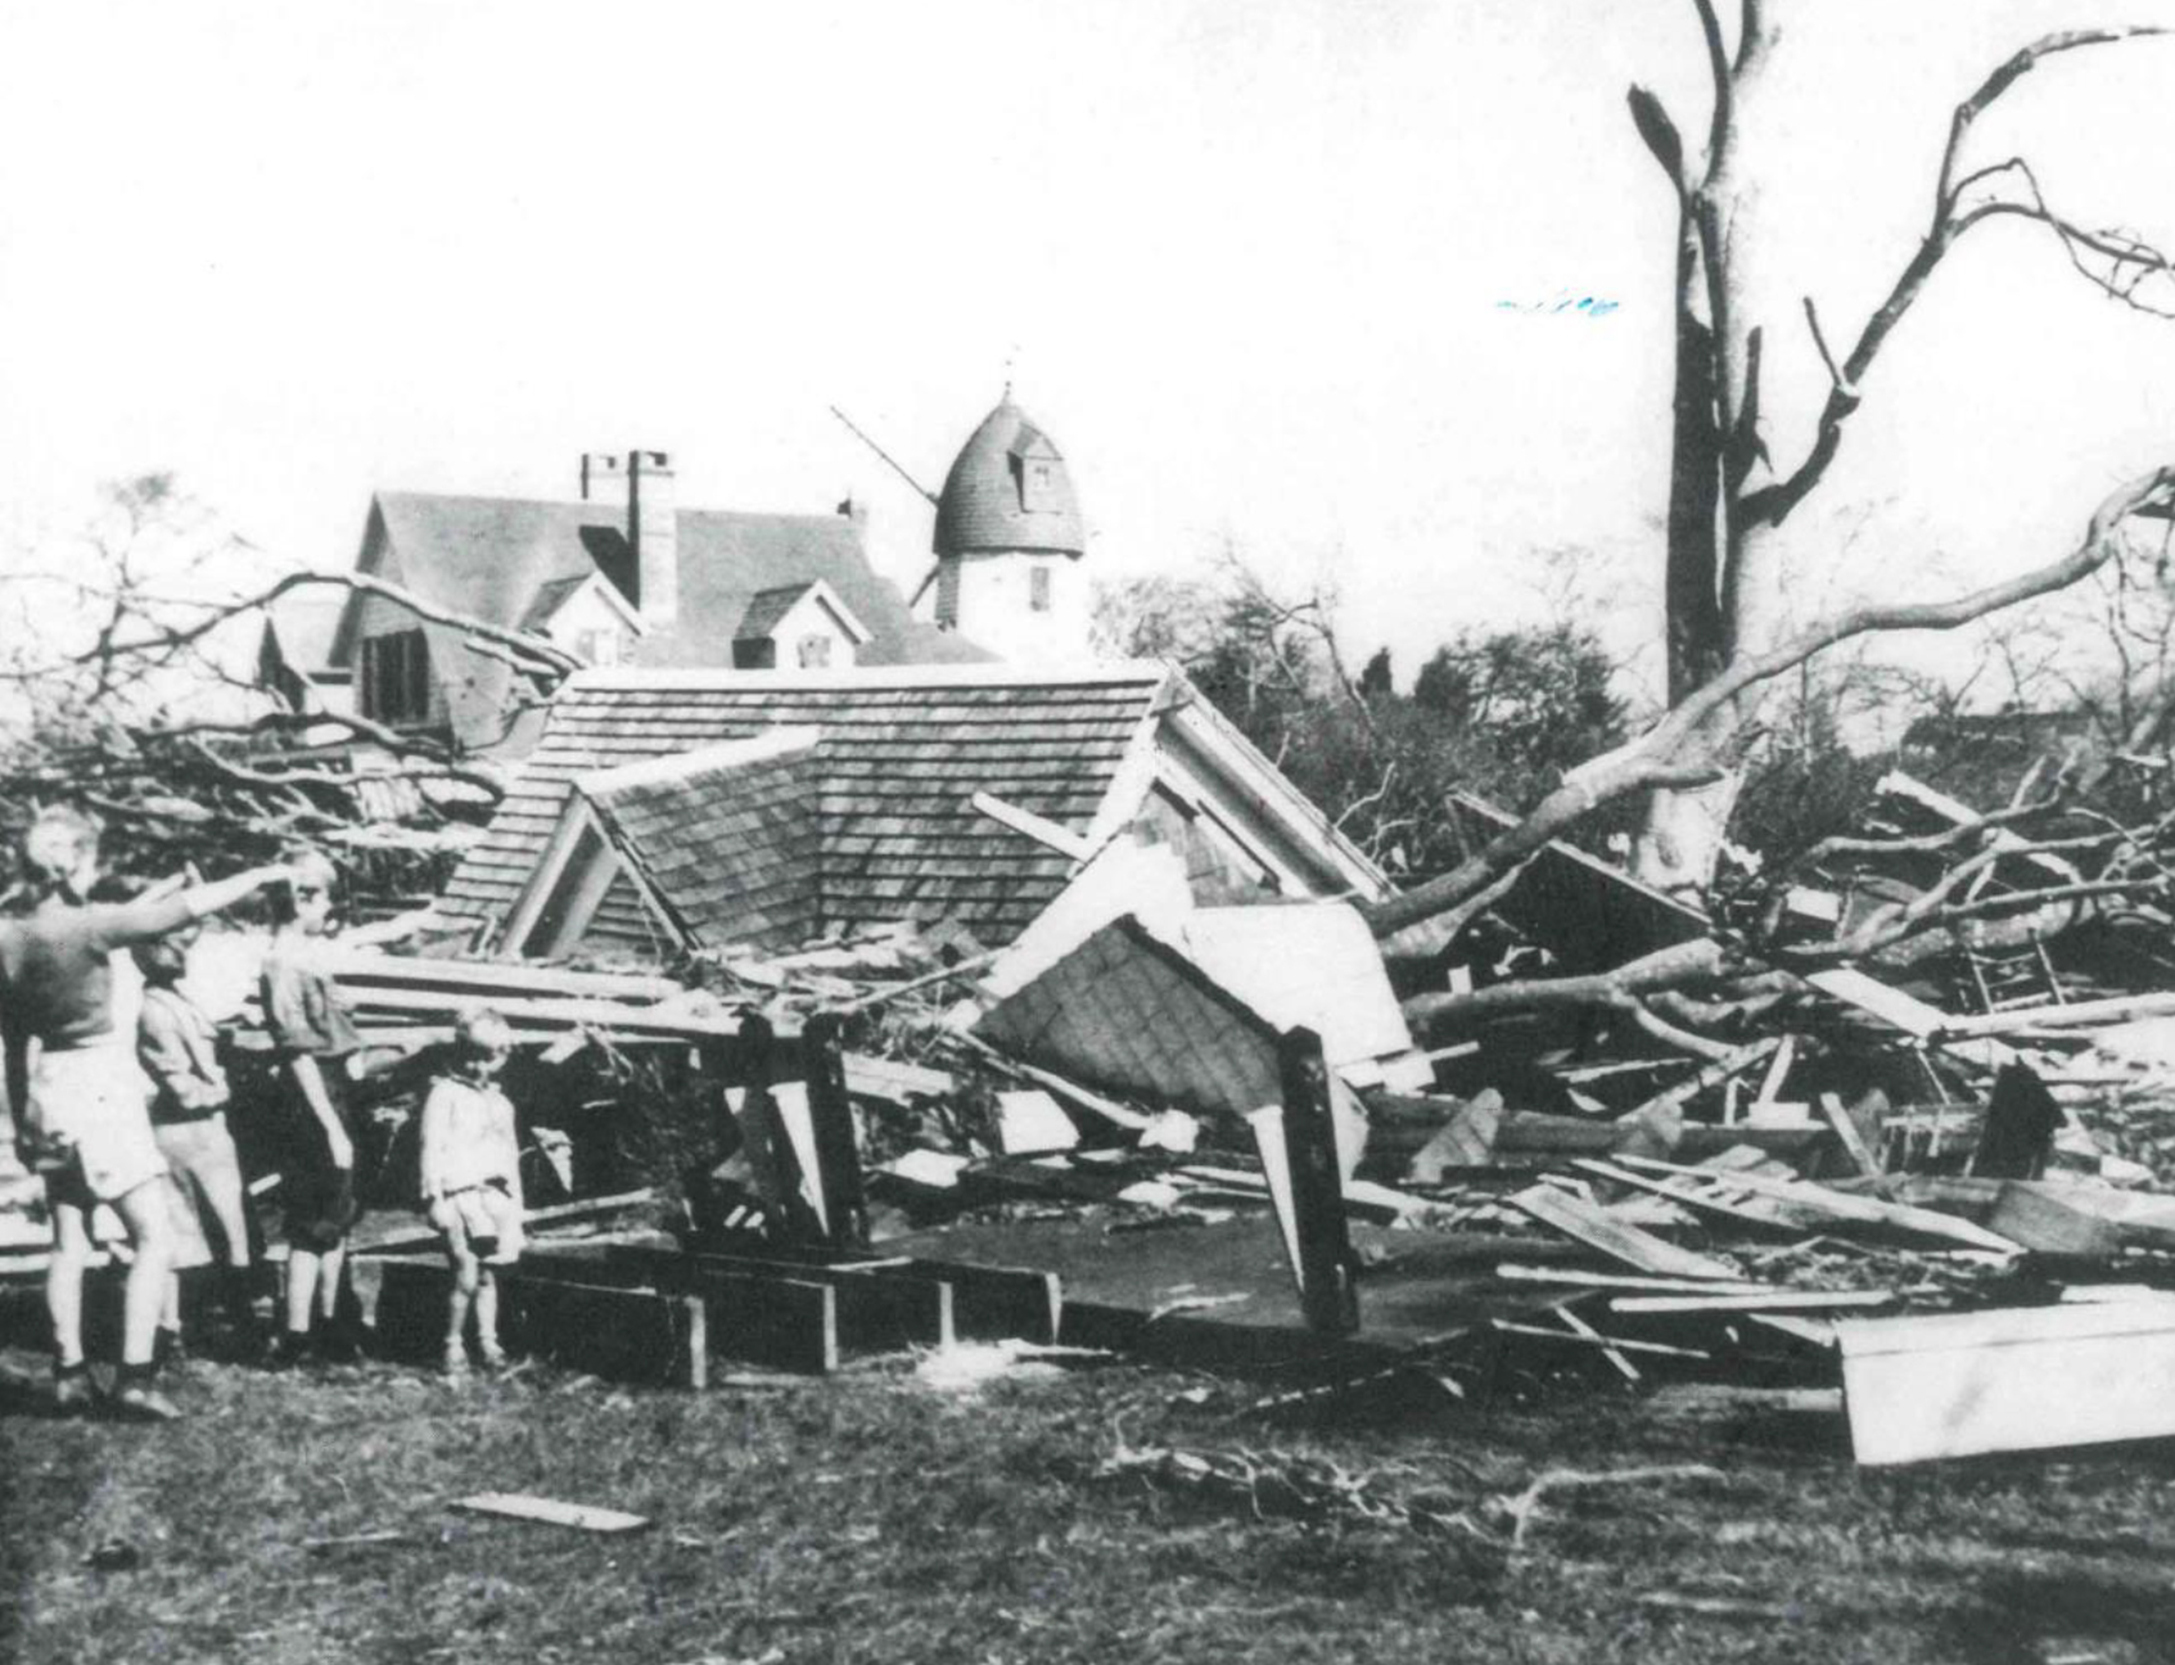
point(490, 558)
point(981, 506)
point(903, 754)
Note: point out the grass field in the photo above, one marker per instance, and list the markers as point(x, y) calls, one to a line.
point(874, 1517)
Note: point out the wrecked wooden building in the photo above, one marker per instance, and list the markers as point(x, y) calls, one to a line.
point(663, 811)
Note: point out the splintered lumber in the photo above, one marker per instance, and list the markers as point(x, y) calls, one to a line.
point(1594, 1228)
point(1850, 1210)
point(662, 1022)
point(2012, 1379)
point(1713, 1198)
point(1765, 1300)
point(556, 1214)
point(1621, 1280)
point(893, 1080)
point(1654, 1113)
point(1846, 1129)
point(2082, 1014)
point(1466, 1140)
point(519, 1506)
point(488, 980)
point(1505, 1326)
point(2045, 1221)
point(1122, 1115)
point(837, 1151)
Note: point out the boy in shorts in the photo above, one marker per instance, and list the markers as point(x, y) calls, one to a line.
point(471, 1172)
point(319, 1054)
point(78, 1095)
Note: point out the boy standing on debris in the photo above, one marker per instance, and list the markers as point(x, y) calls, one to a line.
point(471, 1171)
point(178, 1048)
point(78, 1094)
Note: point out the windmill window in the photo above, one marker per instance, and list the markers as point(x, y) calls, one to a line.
point(1038, 589)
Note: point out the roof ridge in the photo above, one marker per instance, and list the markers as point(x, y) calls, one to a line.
point(1114, 673)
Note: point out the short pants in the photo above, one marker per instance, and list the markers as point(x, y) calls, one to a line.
point(487, 1218)
point(208, 1174)
point(96, 1099)
point(320, 1204)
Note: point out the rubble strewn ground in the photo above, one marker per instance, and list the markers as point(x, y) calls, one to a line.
point(870, 1517)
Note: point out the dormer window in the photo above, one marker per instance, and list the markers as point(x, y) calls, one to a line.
point(1037, 489)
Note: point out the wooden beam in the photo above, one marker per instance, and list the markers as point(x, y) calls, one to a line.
point(1327, 1291)
point(1613, 1238)
point(1767, 1300)
point(1837, 1205)
point(838, 1153)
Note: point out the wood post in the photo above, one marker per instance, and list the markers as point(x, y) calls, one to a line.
point(1326, 1291)
point(838, 1152)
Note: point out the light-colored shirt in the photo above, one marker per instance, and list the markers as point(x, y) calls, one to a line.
point(178, 1048)
point(468, 1138)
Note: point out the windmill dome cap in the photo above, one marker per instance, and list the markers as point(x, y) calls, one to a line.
point(1008, 490)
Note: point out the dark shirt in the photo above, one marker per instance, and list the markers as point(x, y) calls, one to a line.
point(303, 1011)
point(56, 979)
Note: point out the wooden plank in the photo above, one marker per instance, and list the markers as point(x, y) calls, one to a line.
point(1618, 1241)
point(879, 1308)
point(405, 1239)
point(2047, 1221)
point(1870, 1211)
point(1673, 1099)
point(519, 1506)
point(1700, 1200)
point(1505, 1326)
point(2082, 1014)
point(360, 971)
point(2012, 1379)
point(1620, 1280)
point(1767, 1300)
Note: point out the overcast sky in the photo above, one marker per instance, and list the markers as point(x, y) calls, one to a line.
point(1281, 271)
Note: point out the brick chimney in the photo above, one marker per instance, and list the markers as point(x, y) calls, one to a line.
point(653, 528)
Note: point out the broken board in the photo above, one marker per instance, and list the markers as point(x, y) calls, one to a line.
point(1593, 1227)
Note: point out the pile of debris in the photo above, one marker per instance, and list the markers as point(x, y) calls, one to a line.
point(1907, 1171)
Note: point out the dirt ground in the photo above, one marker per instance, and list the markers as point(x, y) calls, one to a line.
point(876, 1516)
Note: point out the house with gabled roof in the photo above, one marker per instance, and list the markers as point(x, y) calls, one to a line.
point(663, 810)
point(621, 575)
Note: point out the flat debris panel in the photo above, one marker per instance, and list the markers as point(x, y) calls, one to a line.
point(2011, 1379)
